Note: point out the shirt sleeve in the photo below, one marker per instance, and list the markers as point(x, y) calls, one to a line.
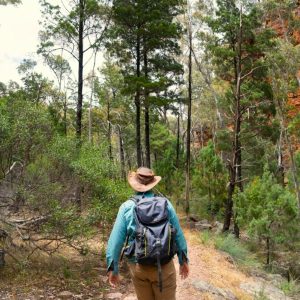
point(116, 241)
point(180, 239)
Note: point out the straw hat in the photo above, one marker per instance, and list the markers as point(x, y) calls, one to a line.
point(143, 179)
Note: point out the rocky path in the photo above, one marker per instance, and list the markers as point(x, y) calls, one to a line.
point(213, 276)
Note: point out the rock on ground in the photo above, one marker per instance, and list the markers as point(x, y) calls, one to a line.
point(130, 297)
point(205, 287)
point(264, 288)
point(114, 296)
point(65, 295)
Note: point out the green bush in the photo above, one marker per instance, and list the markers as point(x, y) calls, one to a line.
point(291, 287)
point(209, 179)
point(232, 246)
point(49, 188)
point(269, 212)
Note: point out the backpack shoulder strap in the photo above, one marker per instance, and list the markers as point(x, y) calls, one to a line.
point(136, 198)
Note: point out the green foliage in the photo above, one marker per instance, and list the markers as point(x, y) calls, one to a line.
point(161, 139)
point(100, 176)
point(268, 211)
point(209, 182)
point(163, 145)
point(237, 41)
point(26, 128)
point(290, 287)
point(51, 178)
point(65, 223)
point(232, 246)
point(283, 62)
point(153, 26)
point(206, 237)
point(61, 25)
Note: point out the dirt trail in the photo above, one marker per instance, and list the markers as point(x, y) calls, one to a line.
point(208, 268)
point(212, 267)
point(213, 276)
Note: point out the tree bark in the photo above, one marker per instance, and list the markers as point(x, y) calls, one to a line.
point(236, 162)
point(138, 104)
point(65, 107)
point(80, 71)
point(122, 154)
point(147, 118)
point(79, 94)
point(178, 141)
point(280, 166)
point(2, 258)
point(189, 123)
point(268, 251)
point(91, 101)
point(109, 129)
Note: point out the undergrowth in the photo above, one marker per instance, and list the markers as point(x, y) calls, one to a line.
point(227, 243)
point(291, 287)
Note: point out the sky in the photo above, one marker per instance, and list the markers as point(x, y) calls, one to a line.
point(19, 37)
point(19, 28)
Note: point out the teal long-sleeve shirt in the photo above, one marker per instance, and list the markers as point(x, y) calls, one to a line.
point(125, 226)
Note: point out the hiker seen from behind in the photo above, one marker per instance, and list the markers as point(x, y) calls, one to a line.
point(148, 231)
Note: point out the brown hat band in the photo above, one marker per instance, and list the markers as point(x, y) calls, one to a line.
point(145, 179)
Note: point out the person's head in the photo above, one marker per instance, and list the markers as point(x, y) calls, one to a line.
point(143, 179)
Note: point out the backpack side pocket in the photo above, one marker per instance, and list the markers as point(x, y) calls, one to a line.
point(130, 250)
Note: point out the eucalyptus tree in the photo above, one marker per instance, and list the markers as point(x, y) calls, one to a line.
point(144, 39)
point(284, 63)
point(62, 71)
point(237, 42)
point(162, 72)
point(77, 28)
point(37, 88)
point(109, 94)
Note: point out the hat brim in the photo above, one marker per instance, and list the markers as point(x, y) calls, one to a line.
point(139, 187)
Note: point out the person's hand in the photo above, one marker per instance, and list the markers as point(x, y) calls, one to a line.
point(113, 279)
point(184, 270)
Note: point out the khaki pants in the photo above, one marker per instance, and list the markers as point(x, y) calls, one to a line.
point(145, 281)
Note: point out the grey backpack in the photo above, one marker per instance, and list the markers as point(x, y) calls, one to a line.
point(154, 242)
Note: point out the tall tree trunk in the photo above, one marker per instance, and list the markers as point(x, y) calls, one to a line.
point(178, 141)
point(280, 166)
point(147, 136)
point(138, 104)
point(236, 162)
point(2, 258)
point(268, 251)
point(79, 94)
point(189, 125)
point(122, 155)
point(91, 101)
point(65, 107)
point(146, 105)
point(80, 71)
point(109, 128)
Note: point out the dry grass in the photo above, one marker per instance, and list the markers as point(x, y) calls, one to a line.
point(64, 270)
point(210, 265)
point(67, 270)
